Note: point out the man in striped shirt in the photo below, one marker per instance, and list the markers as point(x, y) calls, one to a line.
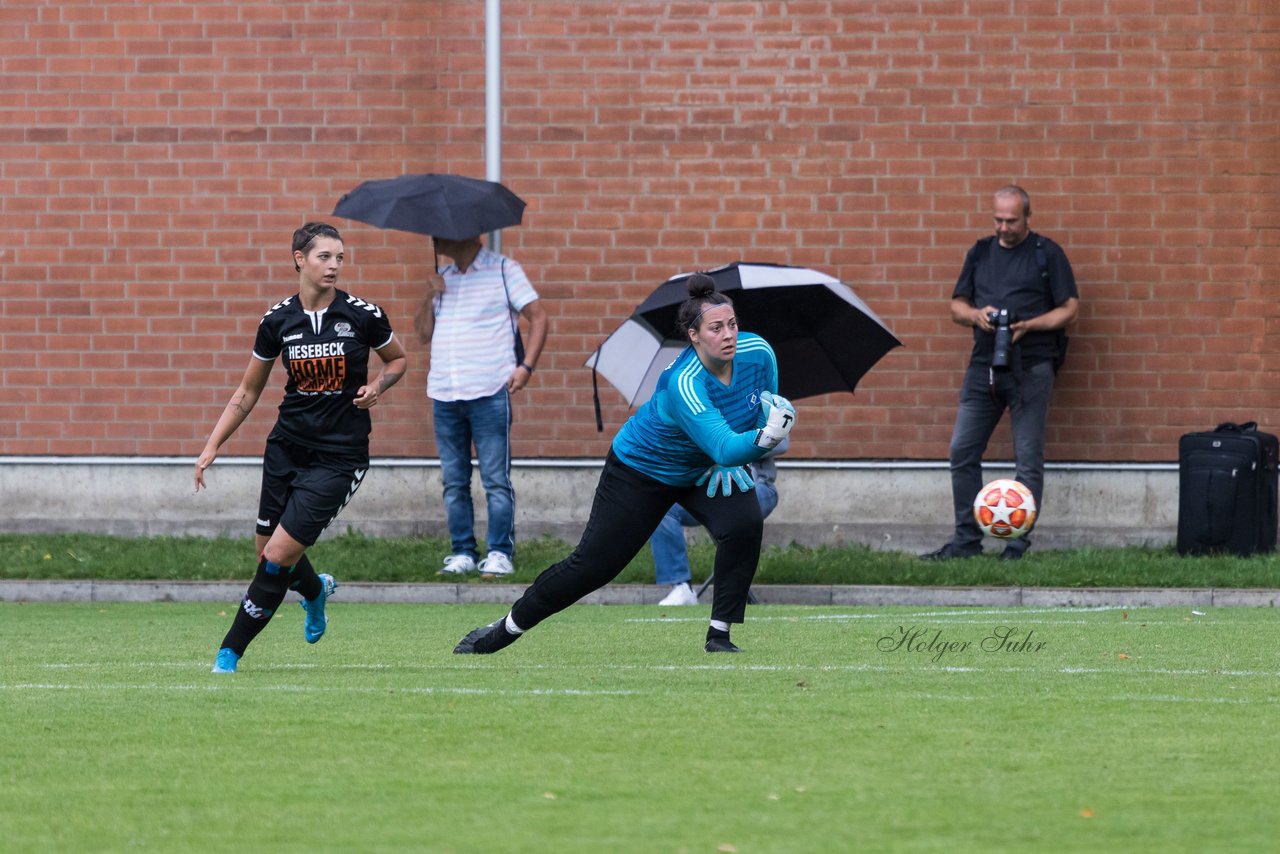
point(469, 317)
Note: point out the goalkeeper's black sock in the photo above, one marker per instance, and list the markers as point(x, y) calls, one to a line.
point(303, 578)
point(260, 601)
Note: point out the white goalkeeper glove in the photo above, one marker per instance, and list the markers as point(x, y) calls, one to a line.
point(725, 476)
point(780, 417)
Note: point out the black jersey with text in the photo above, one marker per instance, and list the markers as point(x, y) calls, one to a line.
point(326, 355)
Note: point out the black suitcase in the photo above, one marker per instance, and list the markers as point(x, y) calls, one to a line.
point(1227, 482)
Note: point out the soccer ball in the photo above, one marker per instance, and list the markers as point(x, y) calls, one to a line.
point(1004, 509)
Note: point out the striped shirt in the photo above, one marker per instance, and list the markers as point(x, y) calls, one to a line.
point(693, 420)
point(473, 345)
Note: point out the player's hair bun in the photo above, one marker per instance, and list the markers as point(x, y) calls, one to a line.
point(701, 285)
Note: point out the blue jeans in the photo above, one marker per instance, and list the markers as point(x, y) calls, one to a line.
point(1025, 393)
point(486, 422)
point(671, 554)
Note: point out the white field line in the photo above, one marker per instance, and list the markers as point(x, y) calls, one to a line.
point(223, 682)
point(1130, 698)
point(905, 618)
point(1012, 621)
point(1173, 698)
point(958, 612)
point(216, 683)
point(1118, 670)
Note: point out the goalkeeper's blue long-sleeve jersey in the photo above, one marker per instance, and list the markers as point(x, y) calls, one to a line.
point(693, 420)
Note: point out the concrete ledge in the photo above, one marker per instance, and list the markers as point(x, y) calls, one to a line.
point(787, 594)
point(830, 503)
point(46, 591)
point(1117, 597)
point(424, 594)
point(987, 597)
point(1246, 598)
point(19, 590)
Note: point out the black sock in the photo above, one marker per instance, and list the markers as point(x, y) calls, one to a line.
point(713, 632)
point(303, 578)
point(260, 601)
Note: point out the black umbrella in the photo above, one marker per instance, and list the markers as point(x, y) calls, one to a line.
point(451, 207)
point(824, 336)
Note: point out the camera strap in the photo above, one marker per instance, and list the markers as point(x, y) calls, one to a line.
point(991, 387)
point(1015, 370)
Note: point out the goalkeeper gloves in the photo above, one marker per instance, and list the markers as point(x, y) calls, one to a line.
point(780, 417)
point(725, 476)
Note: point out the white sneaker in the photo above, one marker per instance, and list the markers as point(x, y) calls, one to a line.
point(458, 565)
point(495, 565)
point(681, 594)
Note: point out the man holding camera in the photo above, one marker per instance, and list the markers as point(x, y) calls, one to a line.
point(1018, 292)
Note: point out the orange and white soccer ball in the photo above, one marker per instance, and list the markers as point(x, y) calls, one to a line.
point(1005, 509)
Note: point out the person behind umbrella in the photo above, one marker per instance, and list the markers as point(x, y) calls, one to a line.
point(468, 319)
point(318, 453)
point(714, 410)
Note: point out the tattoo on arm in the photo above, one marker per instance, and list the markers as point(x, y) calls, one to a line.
point(388, 379)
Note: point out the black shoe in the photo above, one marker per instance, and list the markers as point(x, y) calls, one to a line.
point(720, 645)
point(1010, 553)
point(950, 552)
point(486, 639)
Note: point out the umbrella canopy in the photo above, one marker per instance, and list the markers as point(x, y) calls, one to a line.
point(451, 207)
point(824, 336)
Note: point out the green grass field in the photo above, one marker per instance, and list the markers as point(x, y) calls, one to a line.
point(353, 557)
point(608, 729)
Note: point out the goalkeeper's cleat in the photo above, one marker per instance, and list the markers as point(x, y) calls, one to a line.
point(226, 661)
point(720, 644)
point(718, 641)
point(316, 622)
point(486, 639)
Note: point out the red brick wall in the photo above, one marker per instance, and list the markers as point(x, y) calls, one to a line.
point(155, 157)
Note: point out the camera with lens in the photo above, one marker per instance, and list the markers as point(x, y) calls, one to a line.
point(1001, 320)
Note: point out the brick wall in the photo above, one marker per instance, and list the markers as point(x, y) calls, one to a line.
point(155, 158)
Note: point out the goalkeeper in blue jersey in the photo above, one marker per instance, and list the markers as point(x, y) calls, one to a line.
point(714, 410)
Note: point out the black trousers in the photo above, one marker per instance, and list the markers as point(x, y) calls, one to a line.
point(627, 508)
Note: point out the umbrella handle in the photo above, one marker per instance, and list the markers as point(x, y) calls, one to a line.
point(435, 265)
point(595, 393)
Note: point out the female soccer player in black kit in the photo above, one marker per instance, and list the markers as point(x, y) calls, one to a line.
point(319, 450)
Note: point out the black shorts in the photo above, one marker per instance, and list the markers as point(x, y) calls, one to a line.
point(304, 489)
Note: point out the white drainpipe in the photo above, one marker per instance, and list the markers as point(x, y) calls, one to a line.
point(493, 101)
